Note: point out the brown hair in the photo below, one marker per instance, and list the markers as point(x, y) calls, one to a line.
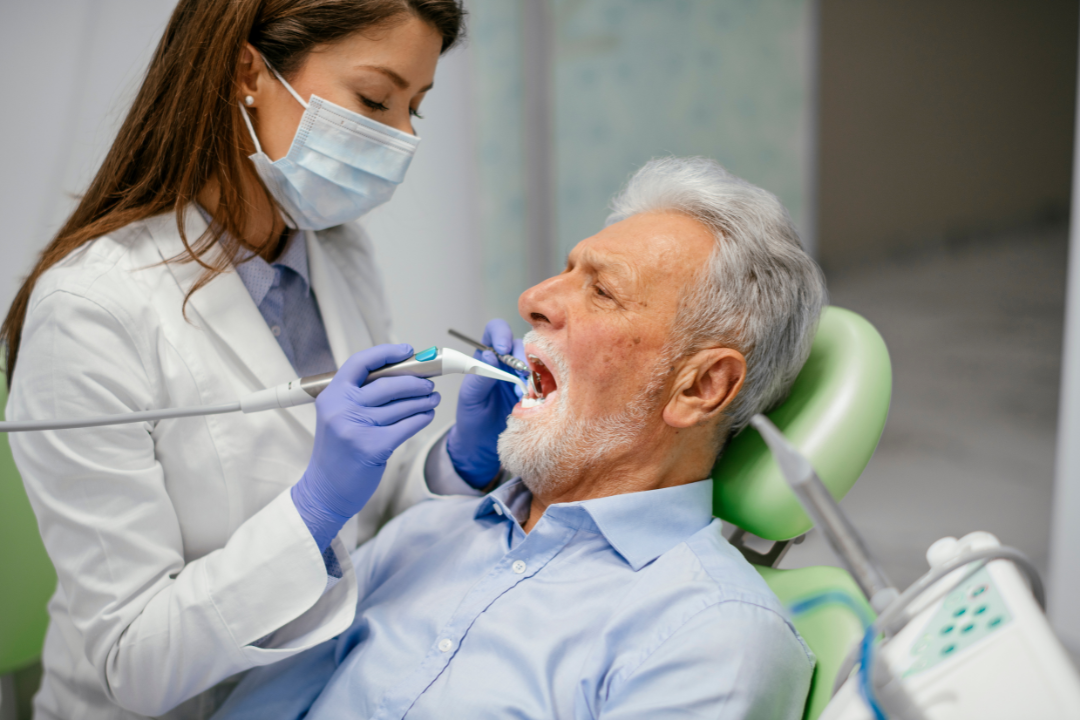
point(185, 127)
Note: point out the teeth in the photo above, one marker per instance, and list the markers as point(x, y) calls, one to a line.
point(530, 402)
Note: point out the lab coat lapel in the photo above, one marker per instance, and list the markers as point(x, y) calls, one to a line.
point(225, 309)
point(347, 331)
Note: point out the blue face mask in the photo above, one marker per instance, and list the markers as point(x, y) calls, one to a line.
point(340, 164)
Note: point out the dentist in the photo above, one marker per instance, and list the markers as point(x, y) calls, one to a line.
point(214, 255)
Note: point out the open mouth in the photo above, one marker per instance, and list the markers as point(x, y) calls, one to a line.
point(541, 383)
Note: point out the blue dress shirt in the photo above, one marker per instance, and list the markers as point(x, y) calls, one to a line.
point(282, 292)
point(625, 606)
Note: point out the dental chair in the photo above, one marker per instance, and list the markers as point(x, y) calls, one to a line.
point(27, 579)
point(834, 416)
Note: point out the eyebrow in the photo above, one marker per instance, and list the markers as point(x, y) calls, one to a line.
point(613, 267)
point(401, 82)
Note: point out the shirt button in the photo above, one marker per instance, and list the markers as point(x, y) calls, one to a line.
point(276, 330)
point(518, 566)
point(445, 644)
point(497, 509)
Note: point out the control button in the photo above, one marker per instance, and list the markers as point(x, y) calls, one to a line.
point(518, 566)
point(980, 610)
point(947, 629)
point(996, 621)
point(429, 354)
point(947, 649)
point(445, 644)
point(959, 611)
point(968, 628)
point(977, 591)
point(276, 329)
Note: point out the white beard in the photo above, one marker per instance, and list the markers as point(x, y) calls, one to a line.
point(557, 446)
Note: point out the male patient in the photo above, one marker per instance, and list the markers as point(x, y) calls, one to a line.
point(597, 584)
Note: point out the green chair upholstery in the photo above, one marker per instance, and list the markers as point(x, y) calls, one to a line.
point(27, 578)
point(830, 613)
point(834, 416)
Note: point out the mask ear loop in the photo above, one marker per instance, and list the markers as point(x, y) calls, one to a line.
point(281, 80)
point(244, 112)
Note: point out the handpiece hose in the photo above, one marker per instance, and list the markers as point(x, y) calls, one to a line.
point(426, 363)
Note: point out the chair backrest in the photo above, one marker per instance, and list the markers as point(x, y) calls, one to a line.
point(834, 416)
point(27, 578)
point(830, 613)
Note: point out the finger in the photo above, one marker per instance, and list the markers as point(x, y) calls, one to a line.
point(388, 389)
point(355, 370)
point(398, 410)
point(497, 334)
point(405, 429)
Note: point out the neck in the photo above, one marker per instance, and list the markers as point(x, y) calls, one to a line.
point(263, 227)
point(659, 458)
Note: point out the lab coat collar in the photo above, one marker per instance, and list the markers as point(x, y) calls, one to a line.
point(640, 526)
point(347, 332)
point(224, 308)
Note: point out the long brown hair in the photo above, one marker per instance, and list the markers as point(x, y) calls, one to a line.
point(184, 127)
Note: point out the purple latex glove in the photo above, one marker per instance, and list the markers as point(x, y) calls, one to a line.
point(483, 406)
point(356, 430)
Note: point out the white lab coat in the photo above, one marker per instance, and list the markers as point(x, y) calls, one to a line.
point(176, 543)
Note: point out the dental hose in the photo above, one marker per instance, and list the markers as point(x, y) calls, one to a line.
point(432, 362)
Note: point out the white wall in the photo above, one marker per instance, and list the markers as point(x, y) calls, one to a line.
point(1065, 535)
point(72, 67)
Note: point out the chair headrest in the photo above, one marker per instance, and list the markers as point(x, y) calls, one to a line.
point(834, 415)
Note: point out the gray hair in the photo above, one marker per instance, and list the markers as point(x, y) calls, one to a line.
point(760, 293)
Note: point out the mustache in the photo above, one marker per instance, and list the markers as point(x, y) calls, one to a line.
point(552, 354)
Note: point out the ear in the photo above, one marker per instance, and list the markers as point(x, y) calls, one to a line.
point(704, 386)
point(251, 74)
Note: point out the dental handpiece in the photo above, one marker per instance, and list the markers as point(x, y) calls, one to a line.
point(427, 363)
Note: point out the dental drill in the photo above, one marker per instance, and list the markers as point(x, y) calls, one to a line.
point(432, 362)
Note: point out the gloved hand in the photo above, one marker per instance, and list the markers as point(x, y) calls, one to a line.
point(483, 405)
point(356, 430)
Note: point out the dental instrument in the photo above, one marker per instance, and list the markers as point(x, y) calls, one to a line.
point(432, 362)
point(967, 640)
point(534, 386)
point(519, 365)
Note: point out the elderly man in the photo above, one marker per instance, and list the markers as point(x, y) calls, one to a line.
point(597, 584)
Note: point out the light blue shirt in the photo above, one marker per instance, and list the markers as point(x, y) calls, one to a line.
point(282, 292)
point(626, 606)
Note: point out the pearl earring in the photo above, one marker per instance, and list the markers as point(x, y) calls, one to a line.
point(248, 100)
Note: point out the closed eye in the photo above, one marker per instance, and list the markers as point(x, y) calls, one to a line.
point(371, 104)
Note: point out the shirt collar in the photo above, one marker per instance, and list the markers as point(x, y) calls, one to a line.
point(251, 266)
point(640, 526)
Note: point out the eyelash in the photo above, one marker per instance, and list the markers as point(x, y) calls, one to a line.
point(601, 292)
point(380, 107)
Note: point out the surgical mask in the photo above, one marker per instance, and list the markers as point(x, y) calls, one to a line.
point(340, 164)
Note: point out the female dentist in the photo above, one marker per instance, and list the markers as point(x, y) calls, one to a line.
point(213, 255)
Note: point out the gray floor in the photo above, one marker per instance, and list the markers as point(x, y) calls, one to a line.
point(974, 332)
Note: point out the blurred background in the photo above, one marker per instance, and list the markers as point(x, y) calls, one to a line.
point(923, 147)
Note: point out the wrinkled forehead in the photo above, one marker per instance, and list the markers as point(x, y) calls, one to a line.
point(647, 253)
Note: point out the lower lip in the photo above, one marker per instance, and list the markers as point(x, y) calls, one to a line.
point(520, 411)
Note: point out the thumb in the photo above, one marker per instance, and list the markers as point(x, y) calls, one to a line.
point(356, 369)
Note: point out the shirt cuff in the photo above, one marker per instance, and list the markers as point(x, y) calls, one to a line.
point(439, 472)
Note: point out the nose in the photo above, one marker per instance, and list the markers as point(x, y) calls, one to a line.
point(542, 305)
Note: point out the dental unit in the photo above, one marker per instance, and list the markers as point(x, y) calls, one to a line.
point(432, 362)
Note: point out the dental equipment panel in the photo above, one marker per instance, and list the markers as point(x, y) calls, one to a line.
point(967, 640)
point(428, 363)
